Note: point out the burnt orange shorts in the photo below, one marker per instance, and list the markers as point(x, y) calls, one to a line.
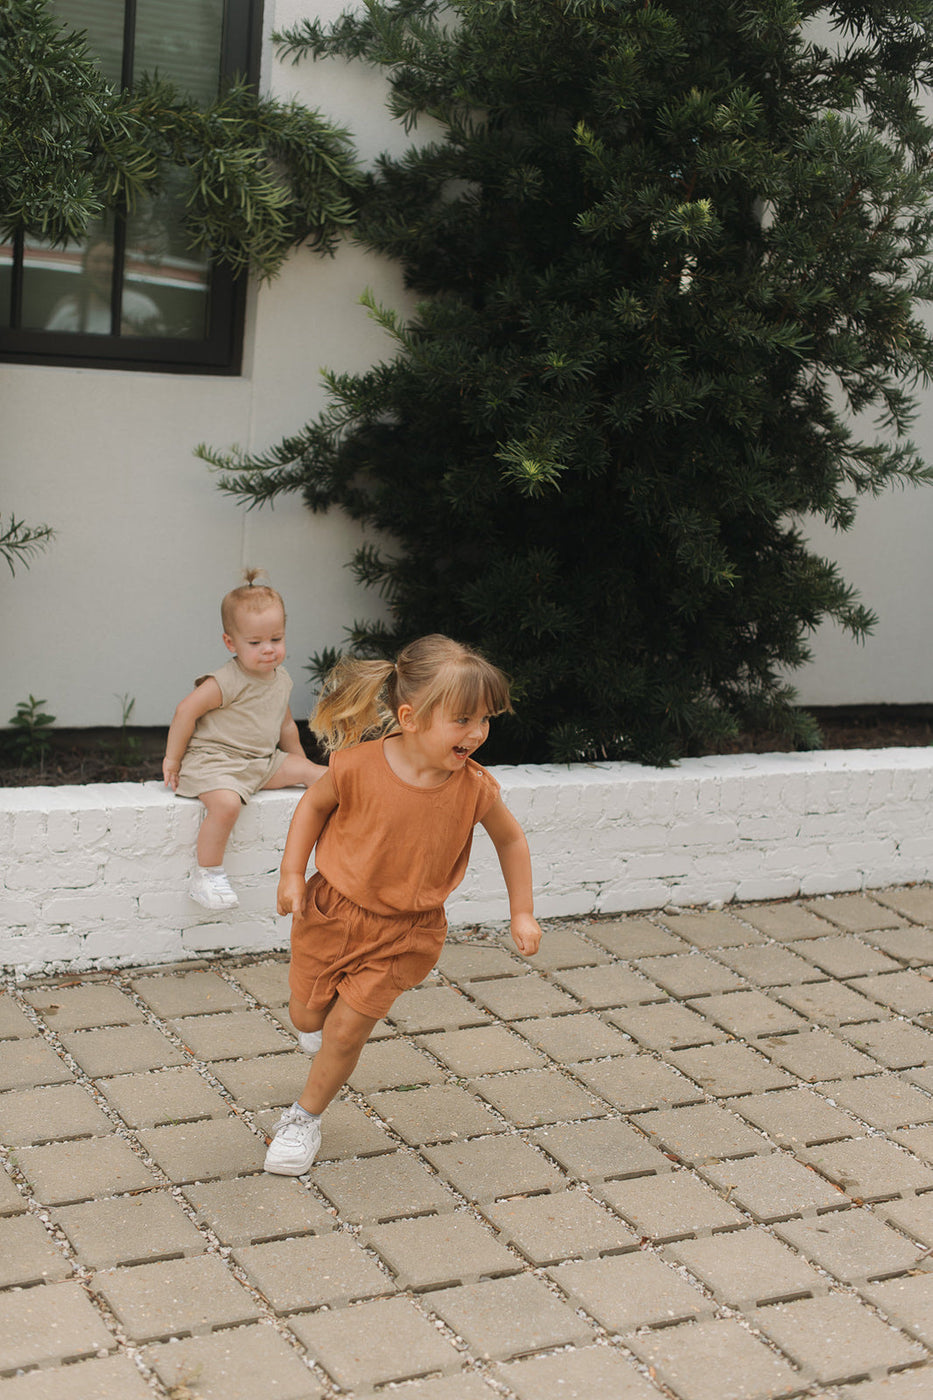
point(367, 959)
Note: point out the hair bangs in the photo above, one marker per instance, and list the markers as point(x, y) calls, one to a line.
point(466, 685)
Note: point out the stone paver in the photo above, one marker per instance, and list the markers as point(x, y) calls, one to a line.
point(747, 1266)
point(126, 1048)
point(130, 1230)
point(304, 1273)
point(749, 1013)
point(689, 974)
point(108, 1378)
point(896, 1044)
point(492, 1049)
point(517, 998)
point(907, 1302)
point(871, 1169)
point(28, 1254)
point(836, 1338)
point(239, 1364)
point(163, 1096)
point(269, 1081)
point(388, 1340)
point(884, 1101)
point(230, 1035)
point(667, 1025)
point(851, 1245)
point(771, 1188)
point(388, 1064)
point(702, 1131)
point(680, 1156)
point(590, 1373)
point(77, 1008)
point(575, 1038)
point(200, 1151)
point(438, 1250)
point(724, 1070)
point(858, 913)
point(600, 1149)
point(670, 1206)
point(566, 1225)
point(78, 1171)
point(532, 1097)
point(816, 1055)
point(53, 1323)
point(716, 1360)
point(155, 1301)
point(638, 1081)
point(796, 1117)
point(437, 1113)
point(258, 1208)
point(628, 1291)
point(188, 994)
point(509, 1317)
point(33, 1116)
point(383, 1188)
point(25, 1064)
point(487, 1168)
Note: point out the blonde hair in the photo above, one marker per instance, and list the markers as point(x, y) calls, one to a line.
point(361, 699)
point(253, 595)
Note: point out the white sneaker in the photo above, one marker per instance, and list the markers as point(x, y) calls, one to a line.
point(295, 1143)
point(310, 1041)
point(210, 887)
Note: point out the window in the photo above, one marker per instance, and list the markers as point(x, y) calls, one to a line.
point(132, 295)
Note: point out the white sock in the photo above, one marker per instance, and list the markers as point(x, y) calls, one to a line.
point(304, 1112)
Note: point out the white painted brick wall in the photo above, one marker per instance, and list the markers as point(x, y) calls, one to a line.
point(95, 875)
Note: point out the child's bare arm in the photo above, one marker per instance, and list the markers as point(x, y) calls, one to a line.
point(204, 697)
point(289, 738)
point(515, 860)
point(307, 824)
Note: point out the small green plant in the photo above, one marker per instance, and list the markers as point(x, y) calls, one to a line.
point(127, 750)
point(32, 727)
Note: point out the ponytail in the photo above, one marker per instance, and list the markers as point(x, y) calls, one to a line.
point(353, 705)
point(254, 594)
point(361, 699)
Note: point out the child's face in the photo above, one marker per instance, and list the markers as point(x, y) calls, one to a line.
point(257, 639)
point(449, 738)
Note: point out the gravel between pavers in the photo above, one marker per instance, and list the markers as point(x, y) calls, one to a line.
point(612, 1173)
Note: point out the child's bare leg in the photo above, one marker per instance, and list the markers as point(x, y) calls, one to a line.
point(306, 1018)
point(345, 1033)
point(296, 771)
point(223, 806)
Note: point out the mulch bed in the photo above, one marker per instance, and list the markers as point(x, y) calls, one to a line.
point(111, 756)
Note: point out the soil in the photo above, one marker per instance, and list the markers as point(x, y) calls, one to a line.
point(135, 755)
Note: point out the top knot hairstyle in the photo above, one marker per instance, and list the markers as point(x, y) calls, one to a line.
point(254, 594)
point(361, 699)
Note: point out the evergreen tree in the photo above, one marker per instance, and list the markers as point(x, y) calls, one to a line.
point(668, 253)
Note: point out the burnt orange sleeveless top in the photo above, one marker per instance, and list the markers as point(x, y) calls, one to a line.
point(393, 848)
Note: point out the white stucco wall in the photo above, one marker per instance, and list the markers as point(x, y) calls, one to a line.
point(125, 602)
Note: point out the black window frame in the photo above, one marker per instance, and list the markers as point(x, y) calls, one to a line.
point(220, 352)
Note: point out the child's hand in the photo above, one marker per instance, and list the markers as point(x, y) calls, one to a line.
point(170, 769)
point(526, 934)
point(290, 898)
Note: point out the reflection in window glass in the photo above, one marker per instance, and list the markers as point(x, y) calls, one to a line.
point(180, 40)
point(6, 282)
point(68, 289)
point(102, 21)
point(162, 271)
